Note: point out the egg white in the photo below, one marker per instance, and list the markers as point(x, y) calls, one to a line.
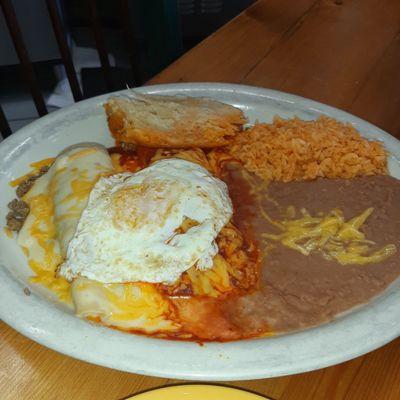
point(129, 230)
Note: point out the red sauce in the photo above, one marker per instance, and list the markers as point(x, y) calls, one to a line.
point(132, 160)
point(144, 154)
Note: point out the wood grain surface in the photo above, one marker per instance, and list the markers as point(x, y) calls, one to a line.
point(345, 53)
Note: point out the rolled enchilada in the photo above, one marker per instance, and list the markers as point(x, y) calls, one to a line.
point(56, 202)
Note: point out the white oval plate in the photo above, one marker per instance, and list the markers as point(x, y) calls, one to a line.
point(44, 320)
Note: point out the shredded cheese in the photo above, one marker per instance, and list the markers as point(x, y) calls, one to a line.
point(211, 282)
point(138, 299)
point(126, 306)
point(330, 235)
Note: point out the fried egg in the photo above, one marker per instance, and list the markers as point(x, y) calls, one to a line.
point(131, 229)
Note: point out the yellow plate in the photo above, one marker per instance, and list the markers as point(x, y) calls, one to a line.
point(197, 392)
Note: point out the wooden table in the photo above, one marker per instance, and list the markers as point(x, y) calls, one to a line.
point(344, 53)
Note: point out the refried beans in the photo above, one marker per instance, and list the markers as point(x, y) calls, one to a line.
point(298, 291)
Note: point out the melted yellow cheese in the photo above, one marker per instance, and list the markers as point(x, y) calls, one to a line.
point(80, 190)
point(211, 282)
point(330, 235)
point(36, 166)
point(43, 231)
point(126, 306)
point(137, 300)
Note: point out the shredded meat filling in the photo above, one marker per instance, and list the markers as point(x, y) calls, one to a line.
point(19, 210)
